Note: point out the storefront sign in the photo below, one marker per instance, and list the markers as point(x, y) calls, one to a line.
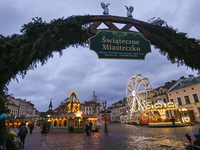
point(120, 45)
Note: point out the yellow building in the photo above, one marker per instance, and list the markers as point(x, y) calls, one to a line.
point(186, 94)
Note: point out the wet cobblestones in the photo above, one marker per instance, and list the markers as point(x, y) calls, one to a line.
point(120, 137)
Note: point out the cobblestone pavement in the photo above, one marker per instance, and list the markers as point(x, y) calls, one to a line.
point(120, 137)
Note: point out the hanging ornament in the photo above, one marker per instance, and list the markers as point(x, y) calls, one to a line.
point(3, 117)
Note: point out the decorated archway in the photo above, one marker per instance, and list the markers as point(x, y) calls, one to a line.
point(38, 41)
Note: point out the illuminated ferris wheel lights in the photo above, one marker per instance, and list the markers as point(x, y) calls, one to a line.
point(145, 79)
point(133, 78)
point(138, 75)
point(146, 84)
point(129, 86)
point(133, 83)
point(137, 93)
point(129, 95)
point(129, 90)
point(133, 93)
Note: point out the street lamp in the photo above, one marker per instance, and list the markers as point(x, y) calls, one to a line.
point(105, 117)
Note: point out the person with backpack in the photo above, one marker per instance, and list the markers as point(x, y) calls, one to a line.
point(22, 133)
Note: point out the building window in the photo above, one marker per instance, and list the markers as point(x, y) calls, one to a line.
point(164, 100)
point(192, 88)
point(196, 99)
point(187, 99)
point(179, 101)
point(65, 123)
point(176, 92)
point(55, 123)
point(75, 123)
point(60, 123)
point(171, 100)
point(80, 123)
point(183, 90)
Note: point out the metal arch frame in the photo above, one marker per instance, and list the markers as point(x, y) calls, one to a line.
point(109, 20)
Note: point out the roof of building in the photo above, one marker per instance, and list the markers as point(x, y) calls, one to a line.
point(49, 112)
point(73, 98)
point(91, 103)
point(187, 83)
point(167, 85)
point(60, 107)
point(11, 103)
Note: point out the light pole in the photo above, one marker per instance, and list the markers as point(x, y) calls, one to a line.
point(105, 117)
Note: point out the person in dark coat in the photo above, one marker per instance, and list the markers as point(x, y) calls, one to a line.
point(44, 129)
point(173, 122)
point(91, 131)
point(31, 127)
point(87, 127)
point(22, 133)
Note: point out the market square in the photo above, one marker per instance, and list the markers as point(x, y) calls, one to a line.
point(120, 136)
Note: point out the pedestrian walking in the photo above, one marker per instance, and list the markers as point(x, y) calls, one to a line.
point(173, 122)
point(31, 127)
point(87, 127)
point(91, 131)
point(44, 129)
point(22, 133)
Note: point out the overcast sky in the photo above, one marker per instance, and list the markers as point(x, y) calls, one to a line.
point(79, 69)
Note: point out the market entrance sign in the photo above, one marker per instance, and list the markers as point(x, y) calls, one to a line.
point(120, 45)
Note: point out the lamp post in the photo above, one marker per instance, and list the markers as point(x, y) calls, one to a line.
point(105, 117)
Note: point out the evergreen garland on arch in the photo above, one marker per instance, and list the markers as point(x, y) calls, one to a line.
point(178, 47)
point(38, 41)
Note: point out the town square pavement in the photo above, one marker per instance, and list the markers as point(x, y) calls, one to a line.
point(120, 137)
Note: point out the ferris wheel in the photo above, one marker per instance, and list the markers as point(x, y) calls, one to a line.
point(137, 92)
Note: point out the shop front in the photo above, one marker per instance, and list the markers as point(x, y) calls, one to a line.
point(73, 120)
point(69, 123)
point(78, 125)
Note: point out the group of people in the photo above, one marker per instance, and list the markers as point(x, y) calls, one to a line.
point(88, 127)
point(23, 131)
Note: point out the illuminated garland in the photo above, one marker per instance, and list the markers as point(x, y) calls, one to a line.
point(161, 106)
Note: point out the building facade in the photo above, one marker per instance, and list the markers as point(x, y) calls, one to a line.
point(20, 108)
point(14, 109)
point(71, 115)
point(186, 94)
point(91, 108)
point(117, 109)
point(160, 95)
